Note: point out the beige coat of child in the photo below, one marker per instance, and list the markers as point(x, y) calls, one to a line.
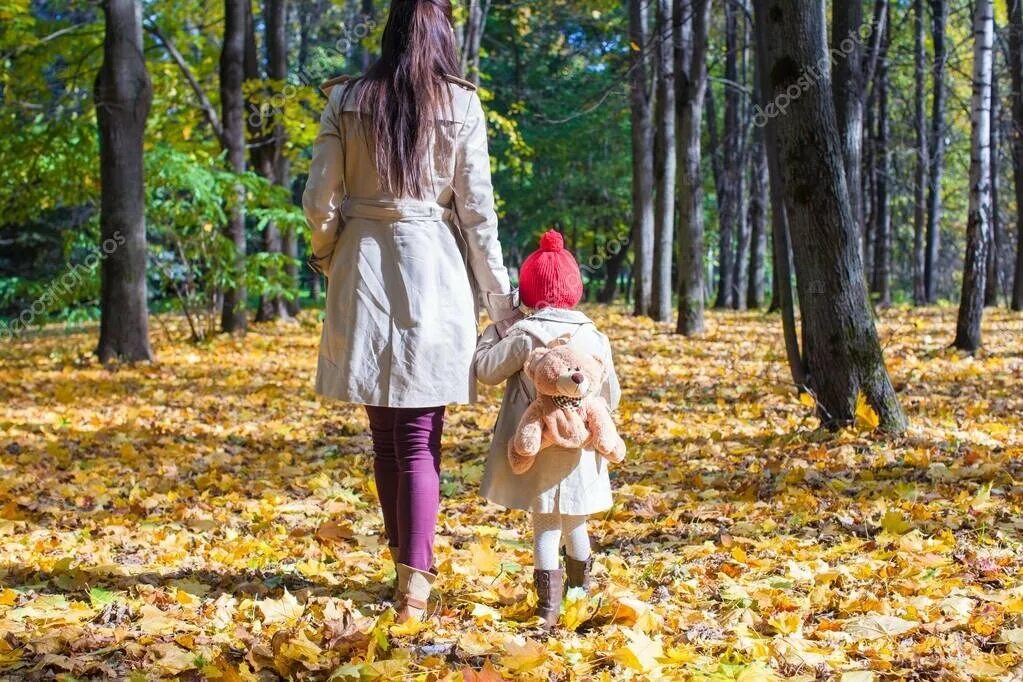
point(567, 481)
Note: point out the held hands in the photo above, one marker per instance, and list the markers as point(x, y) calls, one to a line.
point(502, 326)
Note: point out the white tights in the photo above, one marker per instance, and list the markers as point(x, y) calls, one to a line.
point(548, 531)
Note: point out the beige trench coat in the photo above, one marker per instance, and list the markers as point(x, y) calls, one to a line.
point(405, 277)
point(561, 480)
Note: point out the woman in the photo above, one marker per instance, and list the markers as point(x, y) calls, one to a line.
point(401, 209)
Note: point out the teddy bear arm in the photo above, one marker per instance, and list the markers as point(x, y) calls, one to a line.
point(606, 440)
point(529, 436)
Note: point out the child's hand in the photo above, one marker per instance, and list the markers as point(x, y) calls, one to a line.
point(502, 326)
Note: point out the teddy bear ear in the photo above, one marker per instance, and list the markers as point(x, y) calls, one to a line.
point(534, 356)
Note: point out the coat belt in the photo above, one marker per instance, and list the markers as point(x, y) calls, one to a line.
point(384, 210)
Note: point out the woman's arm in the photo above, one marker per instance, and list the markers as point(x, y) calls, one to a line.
point(498, 359)
point(474, 204)
point(323, 190)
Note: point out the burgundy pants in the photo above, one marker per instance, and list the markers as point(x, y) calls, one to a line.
point(406, 464)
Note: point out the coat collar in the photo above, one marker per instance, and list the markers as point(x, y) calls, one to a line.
point(561, 315)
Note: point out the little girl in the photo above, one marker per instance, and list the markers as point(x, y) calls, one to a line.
point(563, 486)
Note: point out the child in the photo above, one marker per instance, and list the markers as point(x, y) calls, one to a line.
point(563, 486)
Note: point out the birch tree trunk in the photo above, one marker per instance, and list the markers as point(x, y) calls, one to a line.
point(842, 349)
point(995, 248)
point(642, 157)
point(881, 281)
point(123, 93)
point(759, 183)
point(978, 225)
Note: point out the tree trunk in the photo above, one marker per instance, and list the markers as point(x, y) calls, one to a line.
point(1016, 73)
point(473, 38)
point(881, 281)
point(868, 178)
point(995, 248)
point(978, 225)
point(781, 252)
point(691, 66)
point(759, 183)
point(123, 94)
point(842, 349)
point(273, 164)
point(642, 157)
point(936, 159)
point(920, 169)
point(846, 22)
point(664, 152)
point(730, 188)
point(740, 265)
point(232, 104)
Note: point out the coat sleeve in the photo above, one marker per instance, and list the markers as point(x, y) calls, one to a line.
point(323, 194)
point(474, 205)
point(497, 359)
point(612, 390)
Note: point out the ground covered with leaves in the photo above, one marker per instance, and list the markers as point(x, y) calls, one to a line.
point(207, 516)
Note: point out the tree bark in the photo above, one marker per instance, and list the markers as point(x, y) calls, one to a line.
point(781, 251)
point(642, 157)
point(939, 11)
point(273, 164)
point(846, 22)
point(664, 152)
point(123, 94)
point(978, 225)
point(920, 169)
point(881, 280)
point(995, 248)
point(842, 349)
point(759, 189)
point(730, 187)
point(232, 104)
point(1016, 73)
point(691, 72)
point(473, 38)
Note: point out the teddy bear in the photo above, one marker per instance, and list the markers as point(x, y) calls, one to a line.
point(568, 410)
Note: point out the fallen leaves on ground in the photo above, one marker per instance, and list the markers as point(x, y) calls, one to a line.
point(207, 516)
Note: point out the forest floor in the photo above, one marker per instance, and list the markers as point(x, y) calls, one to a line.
point(208, 516)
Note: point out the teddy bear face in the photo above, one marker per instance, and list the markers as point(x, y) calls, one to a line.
point(564, 371)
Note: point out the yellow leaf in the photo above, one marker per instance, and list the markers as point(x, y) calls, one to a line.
point(153, 621)
point(522, 655)
point(409, 628)
point(866, 417)
point(484, 558)
point(283, 610)
point(807, 400)
point(8, 597)
point(577, 609)
point(896, 523)
point(786, 622)
point(483, 612)
point(641, 653)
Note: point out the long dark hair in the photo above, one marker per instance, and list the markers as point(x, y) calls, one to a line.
point(404, 92)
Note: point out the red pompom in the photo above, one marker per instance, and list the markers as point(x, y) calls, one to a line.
point(552, 241)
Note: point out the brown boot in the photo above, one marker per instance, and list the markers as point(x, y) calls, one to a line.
point(413, 591)
point(577, 573)
point(550, 586)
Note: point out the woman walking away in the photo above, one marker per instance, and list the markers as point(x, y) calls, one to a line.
point(401, 208)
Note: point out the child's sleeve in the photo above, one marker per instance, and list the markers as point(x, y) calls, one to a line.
point(498, 359)
point(611, 390)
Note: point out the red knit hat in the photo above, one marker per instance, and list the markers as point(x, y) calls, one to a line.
point(550, 276)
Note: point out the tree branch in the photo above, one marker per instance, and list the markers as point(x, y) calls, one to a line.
point(204, 102)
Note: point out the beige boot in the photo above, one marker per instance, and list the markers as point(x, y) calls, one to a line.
point(413, 592)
